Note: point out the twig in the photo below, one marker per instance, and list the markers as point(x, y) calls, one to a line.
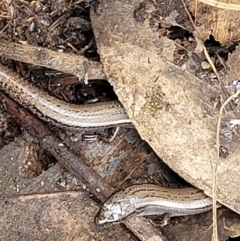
point(69, 63)
point(23, 197)
point(235, 95)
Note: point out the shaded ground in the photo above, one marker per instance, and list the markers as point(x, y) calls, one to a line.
point(52, 206)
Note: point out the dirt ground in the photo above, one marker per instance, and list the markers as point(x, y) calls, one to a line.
point(44, 197)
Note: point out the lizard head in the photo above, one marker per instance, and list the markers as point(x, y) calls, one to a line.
point(115, 209)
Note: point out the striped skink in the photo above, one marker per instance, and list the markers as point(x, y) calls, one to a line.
point(145, 199)
point(150, 199)
point(58, 112)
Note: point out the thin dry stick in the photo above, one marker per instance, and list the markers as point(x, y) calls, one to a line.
point(23, 197)
point(195, 8)
point(220, 116)
point(213, 165)
point(218, 77)
point(219, 122)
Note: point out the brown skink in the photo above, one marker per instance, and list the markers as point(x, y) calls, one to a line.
point(58, 112)
point(150, 199)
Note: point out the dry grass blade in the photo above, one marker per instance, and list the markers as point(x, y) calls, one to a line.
point(222, 5)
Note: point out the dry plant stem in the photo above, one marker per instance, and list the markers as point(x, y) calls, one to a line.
point(222, 5)
point(195, 8)
point(218, 77)
point(213, 163)
point(218, 130)
point(68, 63)
point(77, 167)
point(220, 116)
point(40, 195)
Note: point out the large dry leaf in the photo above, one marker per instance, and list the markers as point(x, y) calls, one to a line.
point(170, 107)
